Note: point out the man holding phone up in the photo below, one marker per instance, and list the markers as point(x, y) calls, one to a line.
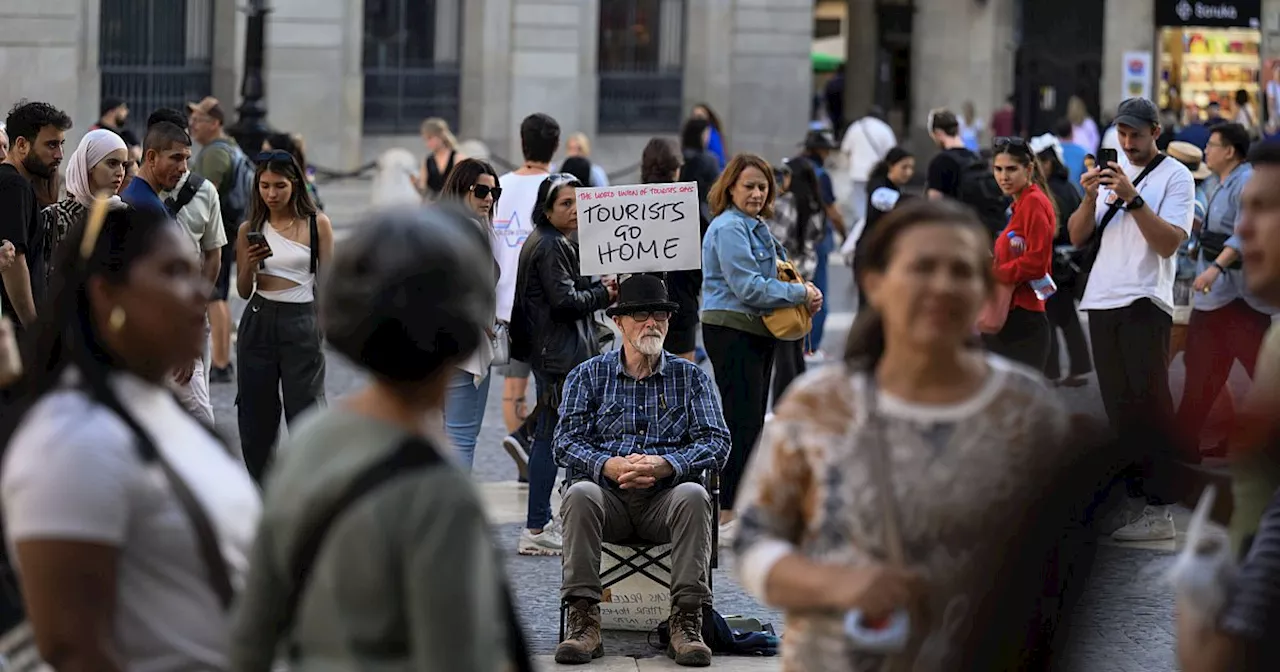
point(1141, 208)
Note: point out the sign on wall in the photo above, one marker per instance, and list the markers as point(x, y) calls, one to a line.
point(1136, 80)
point(642, 228)
point(1220, 13)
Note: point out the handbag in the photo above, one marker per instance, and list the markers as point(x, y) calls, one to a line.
point(501, 342)
point(996, 310)
point(789, 323)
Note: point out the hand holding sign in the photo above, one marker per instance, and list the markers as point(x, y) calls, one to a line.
point(639, 229)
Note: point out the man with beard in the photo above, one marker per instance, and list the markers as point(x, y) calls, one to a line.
point(165, 153)
point(37, 132)
point(638, 427)
point(114, 115)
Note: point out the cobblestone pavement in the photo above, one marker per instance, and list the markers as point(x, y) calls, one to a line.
point(1125, 619)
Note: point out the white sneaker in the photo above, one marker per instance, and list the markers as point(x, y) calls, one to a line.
point(728, 533)
point(1155, 524)
point(546, 542)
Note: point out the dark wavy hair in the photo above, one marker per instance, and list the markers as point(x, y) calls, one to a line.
point(659, 161)
point(299, 200)
point(26, 118)
point(691, 134)
point(805, 190)
point(464, 175)
point(547, 192)
point(891, 159)
point(866, 341)
point(286, 143)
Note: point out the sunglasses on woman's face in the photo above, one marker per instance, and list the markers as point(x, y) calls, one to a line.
point(483, 191)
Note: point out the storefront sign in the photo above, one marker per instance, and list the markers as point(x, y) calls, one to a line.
point(1224, 13)
point(639, 229)
point(1136, 80)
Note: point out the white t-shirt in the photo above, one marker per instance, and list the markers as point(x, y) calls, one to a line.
point(512, 224)
point(202, 217)
point(866, 142)
point(72, 472)
point(1127, 269)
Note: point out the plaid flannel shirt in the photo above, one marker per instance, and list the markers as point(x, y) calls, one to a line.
point(674, 413)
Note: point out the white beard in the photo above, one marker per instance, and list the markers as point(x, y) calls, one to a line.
point(649, 346)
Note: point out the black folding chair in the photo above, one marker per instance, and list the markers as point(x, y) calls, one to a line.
point(641, 557)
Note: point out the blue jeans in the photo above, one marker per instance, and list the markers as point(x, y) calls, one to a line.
point(464, 413)
point(542, 459)
point(825, 246)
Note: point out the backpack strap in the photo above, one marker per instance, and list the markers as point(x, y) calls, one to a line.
point(412, 456)
point(177, 202)
point(315, 245)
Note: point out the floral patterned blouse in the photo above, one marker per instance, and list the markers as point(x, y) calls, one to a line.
point(958, 472)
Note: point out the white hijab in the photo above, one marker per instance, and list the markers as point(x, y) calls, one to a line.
point(93, 148)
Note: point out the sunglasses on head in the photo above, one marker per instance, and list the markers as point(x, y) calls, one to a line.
point(482, 191)
point(1007, 143)
point(273, 156)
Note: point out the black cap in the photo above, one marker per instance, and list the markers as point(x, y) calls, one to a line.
point(819, 139)
point(1138, 113)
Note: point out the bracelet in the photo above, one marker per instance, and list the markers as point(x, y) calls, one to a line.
point(1220, 267)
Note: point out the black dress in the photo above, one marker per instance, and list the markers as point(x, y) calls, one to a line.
point(436, 178)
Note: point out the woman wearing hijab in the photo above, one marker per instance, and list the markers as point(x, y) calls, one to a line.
point(97, 165)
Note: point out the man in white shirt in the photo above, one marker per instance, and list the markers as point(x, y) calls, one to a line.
point(866, 141)
point(195, 205)
point(1129, 299)
point(512, 224)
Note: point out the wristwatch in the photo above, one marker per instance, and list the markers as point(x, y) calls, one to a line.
point(1135, 204)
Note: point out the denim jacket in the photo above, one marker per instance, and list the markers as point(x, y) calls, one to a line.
point(739, 267)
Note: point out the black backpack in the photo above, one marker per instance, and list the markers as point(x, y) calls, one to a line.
point(978, 190)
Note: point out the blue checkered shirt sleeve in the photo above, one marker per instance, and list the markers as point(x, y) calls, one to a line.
point(573, 446)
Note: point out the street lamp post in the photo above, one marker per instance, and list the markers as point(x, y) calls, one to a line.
point(251, 129)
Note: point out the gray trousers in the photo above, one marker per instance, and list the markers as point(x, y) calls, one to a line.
point(680, 516)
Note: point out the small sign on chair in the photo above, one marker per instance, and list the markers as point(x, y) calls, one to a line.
point(633, 599)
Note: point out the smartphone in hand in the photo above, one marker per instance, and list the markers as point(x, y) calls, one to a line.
point(258, 238)
point(1107, 156)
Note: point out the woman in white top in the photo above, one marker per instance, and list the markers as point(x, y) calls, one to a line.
point(131, 521)
point(278, 348)
point(473, 184)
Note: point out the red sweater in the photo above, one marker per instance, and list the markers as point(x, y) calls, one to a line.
point(1033, 221)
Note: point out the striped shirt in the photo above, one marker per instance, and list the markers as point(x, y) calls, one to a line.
point(1253, 613)
point(605, 412)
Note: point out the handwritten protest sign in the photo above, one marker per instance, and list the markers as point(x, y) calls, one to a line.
point(636, 602)
point(639, 228)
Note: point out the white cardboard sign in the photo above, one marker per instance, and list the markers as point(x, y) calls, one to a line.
point(642, 228)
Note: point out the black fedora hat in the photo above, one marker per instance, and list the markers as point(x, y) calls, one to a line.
point(640, 293)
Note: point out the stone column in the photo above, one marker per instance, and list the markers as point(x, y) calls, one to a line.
point(708, 56)
point(228, 52)
point(1128, 26)
point(771, 77)
point(862, 55)
point(313, 77)
point(49, 52)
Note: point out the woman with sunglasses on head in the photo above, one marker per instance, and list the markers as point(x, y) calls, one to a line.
point(279, 253)
point(293, 144)
point(1023, 254)
point(131, 521)
point(473, 185)
point(552, 329)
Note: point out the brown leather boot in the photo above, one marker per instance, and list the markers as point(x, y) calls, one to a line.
point(582, 641)
point(686, 645)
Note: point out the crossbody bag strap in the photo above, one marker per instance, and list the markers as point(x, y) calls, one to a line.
point(1115, 207)
point(413, 454)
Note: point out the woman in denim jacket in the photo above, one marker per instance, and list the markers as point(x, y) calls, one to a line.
point(739, 287)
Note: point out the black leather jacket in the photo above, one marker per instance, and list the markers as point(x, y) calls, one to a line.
point(551, 322)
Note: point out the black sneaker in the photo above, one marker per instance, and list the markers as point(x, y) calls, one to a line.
point(219, 374)
point(517, 446)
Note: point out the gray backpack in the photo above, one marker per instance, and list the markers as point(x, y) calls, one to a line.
point(238, 188)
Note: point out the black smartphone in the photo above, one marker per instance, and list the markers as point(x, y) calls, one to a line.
point(1107, 156)
point(258, 238)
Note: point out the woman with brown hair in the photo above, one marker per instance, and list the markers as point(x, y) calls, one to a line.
point(893, 485)
point(740, 286)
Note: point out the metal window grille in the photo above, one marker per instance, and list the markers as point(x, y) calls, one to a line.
point(156, 53)
point(411, 63)
point(641, 65)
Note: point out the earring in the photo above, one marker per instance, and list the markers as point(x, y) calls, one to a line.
point(116, 319)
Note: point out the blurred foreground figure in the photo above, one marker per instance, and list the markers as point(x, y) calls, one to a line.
point(909, 484)
point(374, 551)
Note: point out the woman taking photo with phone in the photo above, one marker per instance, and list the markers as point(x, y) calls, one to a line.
point(1023, 255)
point(473, 185)
point(279, 251)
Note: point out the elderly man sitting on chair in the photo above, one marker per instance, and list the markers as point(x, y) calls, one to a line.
point(638, 427)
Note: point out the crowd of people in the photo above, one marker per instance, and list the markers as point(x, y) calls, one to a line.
point(924, 478)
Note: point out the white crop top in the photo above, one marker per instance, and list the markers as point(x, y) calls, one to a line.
point(290, 260)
